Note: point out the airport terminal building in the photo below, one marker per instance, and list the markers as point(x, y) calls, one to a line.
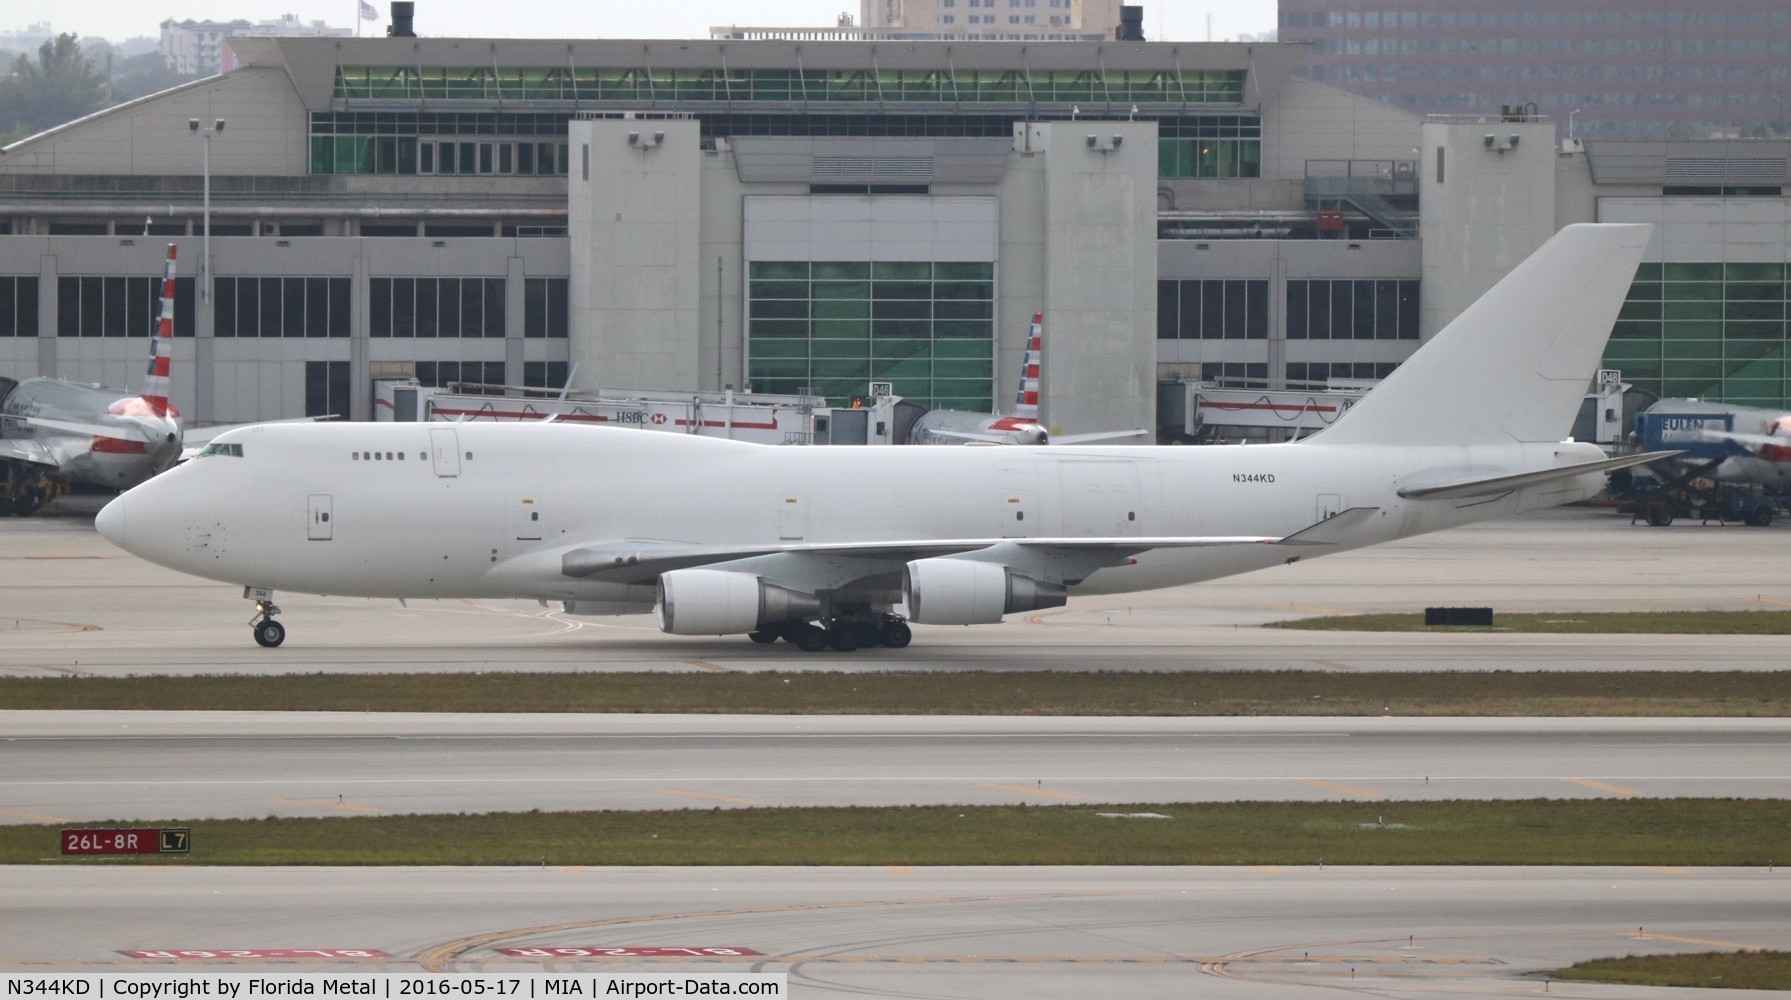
point(782, 216)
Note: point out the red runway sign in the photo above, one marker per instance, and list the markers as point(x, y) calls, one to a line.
point(106, 841)
point(628, 952)
point(288, 953)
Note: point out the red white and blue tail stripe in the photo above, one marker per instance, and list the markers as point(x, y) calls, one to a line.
point(161, 344)
point(1026, 402)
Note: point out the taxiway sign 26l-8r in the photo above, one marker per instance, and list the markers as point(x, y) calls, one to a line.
point(824, 546)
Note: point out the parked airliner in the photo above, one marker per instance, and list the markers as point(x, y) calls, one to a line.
point(54, 433)
point(1019, 425)
point(824, 546)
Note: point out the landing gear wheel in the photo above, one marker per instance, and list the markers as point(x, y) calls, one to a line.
point(806, 637)
point(896, 635)
point(1760, 516)
point(1660, 517)
point(764, 636)
point(270, 633)
point(843, 636)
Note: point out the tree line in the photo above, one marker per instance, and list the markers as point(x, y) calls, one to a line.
point(62, 82)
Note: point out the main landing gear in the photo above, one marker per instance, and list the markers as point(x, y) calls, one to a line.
point(268, 632)
point(842, 635)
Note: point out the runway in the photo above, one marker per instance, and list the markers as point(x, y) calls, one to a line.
point(1141, 933)
point(88, 766)
point(74, 605)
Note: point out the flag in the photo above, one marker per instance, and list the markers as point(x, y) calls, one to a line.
point(367, 12)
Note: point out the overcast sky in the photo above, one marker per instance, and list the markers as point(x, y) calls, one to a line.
point(116, 20)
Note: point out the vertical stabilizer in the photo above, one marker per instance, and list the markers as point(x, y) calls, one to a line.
point(1026, 401)
point(161, 344)
point(1515, 364)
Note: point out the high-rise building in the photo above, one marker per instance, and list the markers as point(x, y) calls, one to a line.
point(199, 47)
point(1062, 20)
point(1598, 68)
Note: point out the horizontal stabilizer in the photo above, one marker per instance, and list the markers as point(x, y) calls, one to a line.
point(121, 432)
point(1505, 484)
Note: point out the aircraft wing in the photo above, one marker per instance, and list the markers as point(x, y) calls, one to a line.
point(20, 450)
point(1505, 484)
point(119, 431)
point(641, 561)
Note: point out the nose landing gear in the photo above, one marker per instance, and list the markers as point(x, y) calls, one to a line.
point(268, 632)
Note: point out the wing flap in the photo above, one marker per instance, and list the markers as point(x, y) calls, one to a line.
point(1504, 484)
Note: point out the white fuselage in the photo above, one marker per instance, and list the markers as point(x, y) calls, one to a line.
point(487, 510)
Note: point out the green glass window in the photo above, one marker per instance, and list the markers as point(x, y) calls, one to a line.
point(1710, 330)
point(835, 326)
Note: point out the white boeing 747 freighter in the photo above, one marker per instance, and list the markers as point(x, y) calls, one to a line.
point(841, 547)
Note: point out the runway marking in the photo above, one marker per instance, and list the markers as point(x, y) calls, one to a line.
point(61, 558)
point(1768, 600)
point(1334, 665)
point(705, 795)
point(715, 667)
point(1029, 791)
point(38, 817)
point(1701, 941)
point(437, 957)
point(899, 869)
point(1601, 786)
point(1274, 870)
point(1345, 789)
point(1670, 871)
point(344, 806)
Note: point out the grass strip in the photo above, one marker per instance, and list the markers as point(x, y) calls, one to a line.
point(1730, 832)
point(1738, 970)
point(1317, 693)
point(1600, 622)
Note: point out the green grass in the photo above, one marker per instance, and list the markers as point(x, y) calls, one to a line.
point(1601, 622)
point(1740, 970)
point(1494, 693)
point(1731, 832)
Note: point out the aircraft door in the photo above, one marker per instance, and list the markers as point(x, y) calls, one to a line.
point(525, 517)
point(792, 517)
point(1329, 505)
point(319, 527)
point(1015, 514)
point(444, 450)
point(1101, 498)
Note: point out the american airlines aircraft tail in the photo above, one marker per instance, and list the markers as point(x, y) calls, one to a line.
point(843, 547)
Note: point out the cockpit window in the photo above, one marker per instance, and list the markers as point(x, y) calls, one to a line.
point(232, 450)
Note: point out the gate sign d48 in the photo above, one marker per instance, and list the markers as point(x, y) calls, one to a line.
point(112, 841)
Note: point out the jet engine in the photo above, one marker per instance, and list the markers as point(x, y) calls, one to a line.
point(964, 592)
point(719, 602)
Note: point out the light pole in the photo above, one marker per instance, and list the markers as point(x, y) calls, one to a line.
point(205, 134)
point(1570, 115)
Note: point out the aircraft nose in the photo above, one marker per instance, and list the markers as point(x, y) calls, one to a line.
point(110, 522)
